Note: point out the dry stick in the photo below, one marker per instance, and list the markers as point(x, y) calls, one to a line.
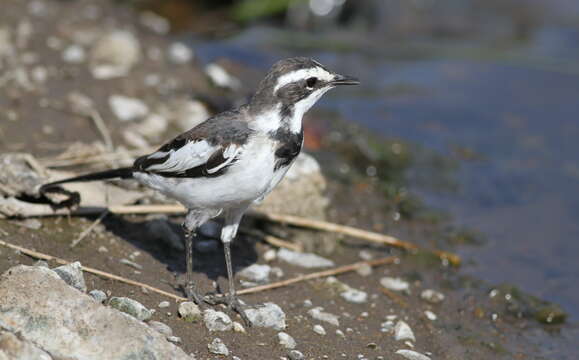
point(42, 256)
point(316, 275)
point(272, 240)
point(395, 297)
point(89, 229)
point(102, 128)
point(320, 274)
point(284, 219)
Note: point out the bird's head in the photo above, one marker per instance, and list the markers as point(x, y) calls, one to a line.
point(296, 84)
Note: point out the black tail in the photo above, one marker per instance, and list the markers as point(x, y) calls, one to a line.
point(121, 173)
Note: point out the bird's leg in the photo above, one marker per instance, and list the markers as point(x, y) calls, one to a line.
point(232, 219)
point(190, 289)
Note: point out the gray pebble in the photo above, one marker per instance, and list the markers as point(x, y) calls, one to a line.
point(189, 311)
point(286, 340)
point(131, 307)
point(98, 295)
point(402, 331)
point(174, 339)
point(317, 313)
point(218, 347)
point(267, 315)
point(296, 355)
point(256, 273)
point(432, 296)
point(161, 328)
point(412, 355)
point(319, 329)
point(305, 260)
point(394, 284)
point(164, 304)
point(72, 275)
point(217, 320)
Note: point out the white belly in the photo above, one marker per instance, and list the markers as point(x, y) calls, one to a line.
point(250, 178)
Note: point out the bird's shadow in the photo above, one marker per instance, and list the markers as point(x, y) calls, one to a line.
point(210, 263)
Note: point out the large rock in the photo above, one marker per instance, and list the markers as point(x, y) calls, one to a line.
point(41, 309)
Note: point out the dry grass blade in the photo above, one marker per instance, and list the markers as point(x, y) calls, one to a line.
point(89, 229)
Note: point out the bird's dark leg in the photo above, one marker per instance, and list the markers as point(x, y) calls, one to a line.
point(190, 288)
point(232, 219)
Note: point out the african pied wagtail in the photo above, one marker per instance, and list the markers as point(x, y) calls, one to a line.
point(233, 159)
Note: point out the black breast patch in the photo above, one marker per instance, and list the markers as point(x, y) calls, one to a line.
point(290, 145)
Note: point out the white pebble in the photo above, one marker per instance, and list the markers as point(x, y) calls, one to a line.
point(430, 315)
point(286, 340)
point(74, 54)
point(402, 331)
point(126, 108)
point(164, 304)
point(394, 284)
point(180, 53)
point(319, 329)
point(317, 313)
point(412, 355)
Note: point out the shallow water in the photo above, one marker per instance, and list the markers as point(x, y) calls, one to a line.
point(514, 110)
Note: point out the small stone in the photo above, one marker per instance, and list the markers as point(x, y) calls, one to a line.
point(131, 307)
point(432, 296)
point(267, 315)
point(256, 273)
point(270, 255)
point(317, 314)
point(102, 249)
point(394, 284)
point(372, 346)
point(430, 315)
point(98, 295)
point(217, 320)
point(412, 355)
point(340, 333)
point(154, 22)
point(220, 77)
point(354, 296)
point(130, 263)
point(402, 331)
point(286, 340)
point(72, 275)
point(308, 303)
point(277, 272)
point(174, 339)
point(305, 260)
point(74, 54)
point(365, 255)
point(180, 53)
point(189, 311)
point(161, 328)
point(41, 263)
point(164, 304)
point(126, 108)
point(364, 270)
point(296, 355)
point(237, 327)
point(319, 329)
point(114, 55)
point(218, 347)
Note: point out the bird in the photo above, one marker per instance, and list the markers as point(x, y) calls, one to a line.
point(233, 159)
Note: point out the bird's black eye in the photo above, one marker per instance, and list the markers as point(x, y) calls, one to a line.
point(311, 82)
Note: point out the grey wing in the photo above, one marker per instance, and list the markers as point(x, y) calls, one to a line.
point(204, 151)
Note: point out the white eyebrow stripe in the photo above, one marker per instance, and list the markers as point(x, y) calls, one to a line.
point(302, 74)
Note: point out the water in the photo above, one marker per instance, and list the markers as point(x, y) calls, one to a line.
point(516, 107)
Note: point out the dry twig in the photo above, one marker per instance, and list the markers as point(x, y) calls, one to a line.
point(89, 229)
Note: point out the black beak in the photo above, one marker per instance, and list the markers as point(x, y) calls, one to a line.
point(344, 80)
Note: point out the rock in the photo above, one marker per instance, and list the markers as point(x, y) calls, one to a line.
point(14, 348)
point(364, 270)
point(270, 255)
point(394, 284)
point(267, 315)
point(217, 320)
point(296, 355)
point(126, 108)
point(218, 347)
point(114, 55)
point(74, 54)
point(19, 174)
point(152, 127)
point(319, 329)
point(237, 327)
point(41, 263)
point(412, 355)
point(308, 303)
point(72, 275)
point(189, 311)
point(98, 295)
point(402, 331)
point(180, 53)
point(164, 304)
point(286, 340)
point(317, 314)
point(131, 307)
point(221, 78)
point(256, 273)
point(365, 255)
point(430, 315)
point(130, 263)
point(186, 113)
point(161, 328)
point(73, 325)
point(346, 292)
point(305, 260)
point(432, 296)
point(155, 22)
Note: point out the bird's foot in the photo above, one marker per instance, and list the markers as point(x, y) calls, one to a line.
point(233, 304)
point(193, 295)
